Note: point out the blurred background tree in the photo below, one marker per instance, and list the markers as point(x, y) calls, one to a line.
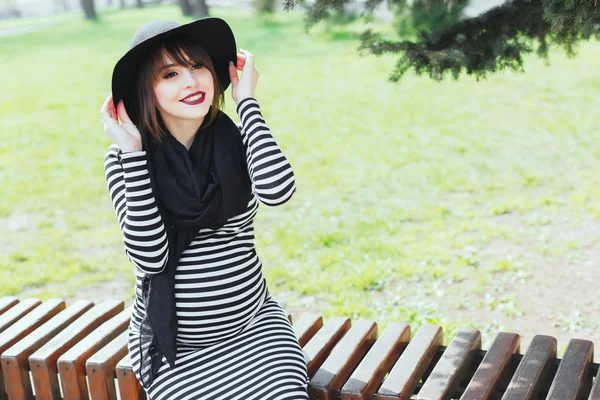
point(265, 7)
point(200, 8)
point(89, 10)
point(440, 41)
point(196, 8)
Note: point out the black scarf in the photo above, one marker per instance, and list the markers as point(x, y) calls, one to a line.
point(199, 188)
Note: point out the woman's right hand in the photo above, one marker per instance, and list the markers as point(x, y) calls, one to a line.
point(126, 134)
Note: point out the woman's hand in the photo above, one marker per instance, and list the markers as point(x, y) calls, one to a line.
point(245, 85)
point(126, 134)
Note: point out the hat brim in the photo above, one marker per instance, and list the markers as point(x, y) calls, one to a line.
point(213, 34)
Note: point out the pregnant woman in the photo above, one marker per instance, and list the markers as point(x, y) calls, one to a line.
point(185, 182)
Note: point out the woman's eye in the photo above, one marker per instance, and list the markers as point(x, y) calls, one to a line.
point(169, 75)
point(197, 66)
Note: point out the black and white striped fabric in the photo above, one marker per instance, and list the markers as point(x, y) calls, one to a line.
point(234, 339)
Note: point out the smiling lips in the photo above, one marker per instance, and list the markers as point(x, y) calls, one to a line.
point(194, 98)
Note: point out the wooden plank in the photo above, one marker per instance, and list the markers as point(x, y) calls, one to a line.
point(320, 346)
point(369, 374)
point(24, 326)
point(570, 377)
point(101, 367)
point(71, 365)
point(43, 361)
point(306, 327)
point(345, 356)
point(487, 376)
point(445, 377)
point(15, 360)
point(7, 302)
point(405, 375)
point(30, 322)
point(532, 370)
point(16, 312)
point(595, 392)
point(129, 386)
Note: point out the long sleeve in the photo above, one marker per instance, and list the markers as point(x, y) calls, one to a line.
point(141, 225)
point(273, 181)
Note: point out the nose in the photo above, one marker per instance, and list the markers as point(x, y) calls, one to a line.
point(189, 79)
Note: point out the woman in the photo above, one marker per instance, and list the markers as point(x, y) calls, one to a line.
point(185, 182)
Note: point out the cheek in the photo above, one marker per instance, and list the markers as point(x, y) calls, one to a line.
point(208, 82)
point(163, 93)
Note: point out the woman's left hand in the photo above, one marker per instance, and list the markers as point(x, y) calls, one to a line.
point(244, 86)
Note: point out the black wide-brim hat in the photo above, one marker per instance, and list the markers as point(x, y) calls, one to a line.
point(213, 34)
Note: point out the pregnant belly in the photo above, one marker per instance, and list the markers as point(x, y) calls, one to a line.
point(216, 303)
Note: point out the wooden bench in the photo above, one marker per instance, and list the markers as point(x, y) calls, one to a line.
point(80, 352)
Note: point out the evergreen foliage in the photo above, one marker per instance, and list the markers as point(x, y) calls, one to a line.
point(495, 40)
point(427, 15)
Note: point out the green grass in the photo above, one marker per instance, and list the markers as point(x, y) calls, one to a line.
point(403, 189)
point(39, 21)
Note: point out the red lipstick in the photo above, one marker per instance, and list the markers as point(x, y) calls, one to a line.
point(194, 102)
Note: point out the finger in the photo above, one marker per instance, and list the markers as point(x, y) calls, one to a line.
point(109, 108)
point(105, 112)
point(249, 59)
point(104, 107)
point(112, 109)
point(108, 121)
point(241, 61)
point(249, 56)
point(123, 113)
point(133, 131)
point(233, 75)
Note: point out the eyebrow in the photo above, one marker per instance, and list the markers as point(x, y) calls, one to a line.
point(166, 67)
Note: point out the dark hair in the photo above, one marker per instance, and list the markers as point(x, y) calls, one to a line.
point(185, 52)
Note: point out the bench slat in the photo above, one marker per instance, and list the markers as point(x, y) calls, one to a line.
point(532, 370)
point(490, 370)
point(344, 357)
point(595, 392)
point(43, 361)
point(30, 322)
point(17, 311)
point(410, 367)
point(571, 374)
point(71, 365)
point(457, 357)
point(7, 302)
point(369, 374)
point(15, 360)
point(25, 325)
point(84, 340)
point(101, 367)
point(320, 346)
point(306, 327)
point(129, 386)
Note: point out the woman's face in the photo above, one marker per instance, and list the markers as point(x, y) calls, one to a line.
point(183, 93)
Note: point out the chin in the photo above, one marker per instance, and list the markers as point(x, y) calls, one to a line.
point(195, 114)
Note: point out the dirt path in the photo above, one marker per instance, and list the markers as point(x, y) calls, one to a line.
point(557, 294)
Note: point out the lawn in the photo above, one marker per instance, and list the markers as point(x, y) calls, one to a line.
point(420, 202)
point(48, 20)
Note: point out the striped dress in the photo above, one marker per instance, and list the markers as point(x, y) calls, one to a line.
point(234, 340)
